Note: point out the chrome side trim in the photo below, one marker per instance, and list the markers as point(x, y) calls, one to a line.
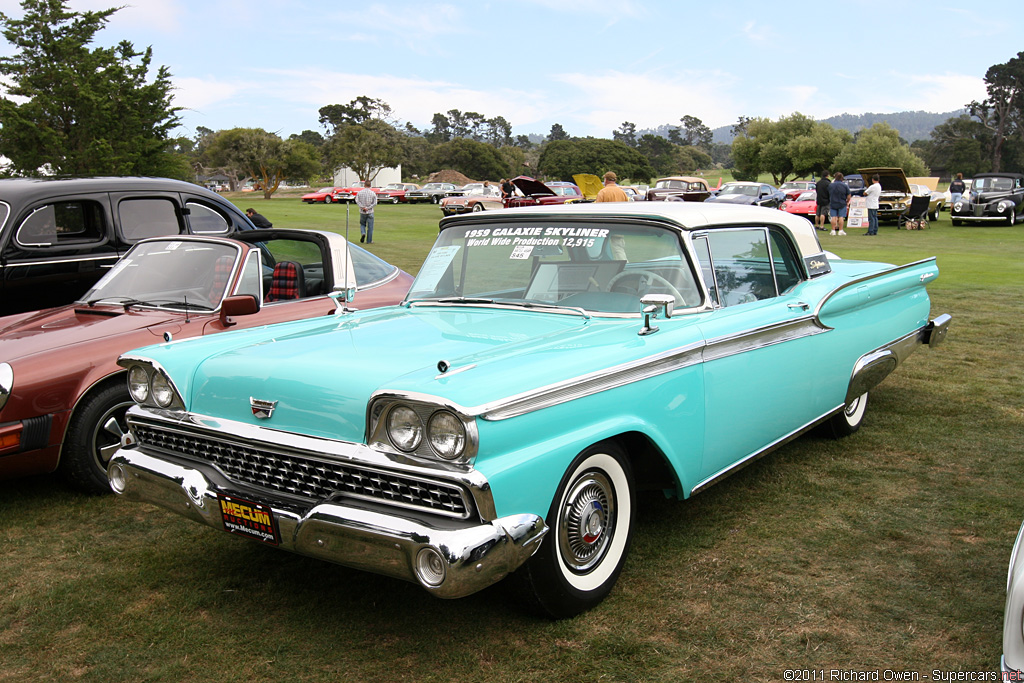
point(750, 340)
point(47, 262)
point(595, 382)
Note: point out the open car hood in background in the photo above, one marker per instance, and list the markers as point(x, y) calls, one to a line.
point(891, 179)
point(589, 184)
point(529, 186)
point(931, 182)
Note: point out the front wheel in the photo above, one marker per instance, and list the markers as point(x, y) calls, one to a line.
point(935, 214)
point(956, 223)
point(849, 419)
point(328, 199)
point(590, 527)
point(478, 207)
point(93, 436)
point(1012, 218)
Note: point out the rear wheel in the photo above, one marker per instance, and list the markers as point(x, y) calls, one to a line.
point(93, 436)
point(849, 419)
point(590, 527)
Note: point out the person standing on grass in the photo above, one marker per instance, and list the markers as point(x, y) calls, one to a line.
point(821, 190)
point(839, 204)
point(611, 192)
point(366, 200)
point(871, 196)
point(957, 189)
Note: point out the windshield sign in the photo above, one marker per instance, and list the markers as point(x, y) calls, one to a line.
point(602, 268)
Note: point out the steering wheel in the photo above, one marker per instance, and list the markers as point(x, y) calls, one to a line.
point(654, 277)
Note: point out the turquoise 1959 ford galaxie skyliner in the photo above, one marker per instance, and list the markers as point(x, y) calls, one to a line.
point(545, 366)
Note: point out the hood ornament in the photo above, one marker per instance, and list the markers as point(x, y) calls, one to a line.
point(262, 409)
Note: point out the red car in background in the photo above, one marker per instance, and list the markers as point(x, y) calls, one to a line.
point(325, 195)
point(794, 187)
point(394, 193)
point(531, 192)
point(804, 204)
point(62, 395)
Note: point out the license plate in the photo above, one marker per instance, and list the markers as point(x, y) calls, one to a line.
point(249, 519)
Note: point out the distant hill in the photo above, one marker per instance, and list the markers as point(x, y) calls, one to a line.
point(912, 125)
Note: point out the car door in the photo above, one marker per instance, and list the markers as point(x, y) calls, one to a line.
point(55, 249)
point(762, 351)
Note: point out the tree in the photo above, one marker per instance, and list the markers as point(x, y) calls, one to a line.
point(255, 153)
point(557, 133)
point(1002, 112)
point(78, 110)
point(626, 133)
point(309, 136)
point(471, 158)
point(959, 145)
point(335, 117)
point(366, 148)
point(879, 146)
point(562, 158)
point(791, 147)
point(694, 133)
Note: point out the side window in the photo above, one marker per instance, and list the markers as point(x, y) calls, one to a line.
point(747, 264)
point(63, 223)
point(784, 261)
point(707, 271)
point(142, 218)
point(368, 268)
point(251, 281)
point(205, 221)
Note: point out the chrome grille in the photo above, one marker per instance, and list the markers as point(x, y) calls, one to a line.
point(307, 477)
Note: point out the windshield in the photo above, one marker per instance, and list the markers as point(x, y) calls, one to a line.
point(992, 184)
point(602, 268)
point(807, 196)
point(169, 274)
point(730, 188)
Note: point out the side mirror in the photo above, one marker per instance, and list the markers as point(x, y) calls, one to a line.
point(652, 303)
point(243, 304)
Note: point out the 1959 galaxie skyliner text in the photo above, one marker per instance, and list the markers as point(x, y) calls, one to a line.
point(546, 364)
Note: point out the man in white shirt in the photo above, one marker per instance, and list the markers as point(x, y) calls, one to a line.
point(871, 196)
point(366, 199)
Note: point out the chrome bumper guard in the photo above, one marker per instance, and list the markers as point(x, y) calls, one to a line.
point(449, 559)
point(873, 367)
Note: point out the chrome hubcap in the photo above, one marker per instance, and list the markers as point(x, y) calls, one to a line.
point(587, 522)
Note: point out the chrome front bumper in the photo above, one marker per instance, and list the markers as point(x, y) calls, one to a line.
point(473, 555)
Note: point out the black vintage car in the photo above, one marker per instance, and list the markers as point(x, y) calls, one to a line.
point(58, 236)
point(993, 197)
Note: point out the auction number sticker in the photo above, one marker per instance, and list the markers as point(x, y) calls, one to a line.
point(249, 519)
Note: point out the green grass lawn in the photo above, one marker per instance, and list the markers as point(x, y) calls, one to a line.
point(885, 550)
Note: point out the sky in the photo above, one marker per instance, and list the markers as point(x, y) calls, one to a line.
point(589, 66)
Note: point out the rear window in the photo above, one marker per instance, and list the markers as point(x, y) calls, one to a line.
point(206, 221)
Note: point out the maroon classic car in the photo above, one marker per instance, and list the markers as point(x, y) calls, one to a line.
point(687, 188)
point(531, 192)
point(394, 193)
point(62, 394)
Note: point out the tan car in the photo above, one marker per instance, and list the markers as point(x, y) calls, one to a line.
point(896, 194)
point(937, 200)
point(687, 188)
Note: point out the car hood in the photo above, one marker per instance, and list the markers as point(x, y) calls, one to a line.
point(589, 184)
point(65, 327)
point(323, 373)
point(891, 179)
point(529, 186)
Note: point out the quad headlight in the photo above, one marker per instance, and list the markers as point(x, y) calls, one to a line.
point(422, 429)
point(149, 386)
